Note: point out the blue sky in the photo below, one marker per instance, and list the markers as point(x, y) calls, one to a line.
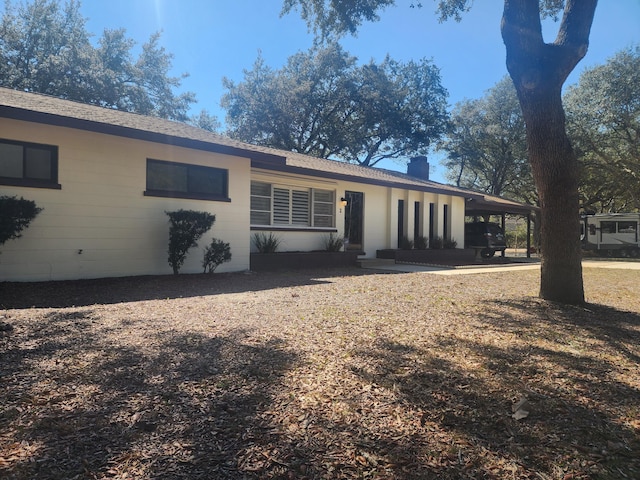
point(212, 39)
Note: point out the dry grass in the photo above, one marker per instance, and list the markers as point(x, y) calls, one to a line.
point(322, 374)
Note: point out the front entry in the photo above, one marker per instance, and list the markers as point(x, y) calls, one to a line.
point(353, 216)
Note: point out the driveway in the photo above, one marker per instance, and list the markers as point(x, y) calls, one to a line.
point(475, 269)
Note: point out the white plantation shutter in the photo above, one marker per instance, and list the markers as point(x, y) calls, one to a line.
point(281, 206)
point(260, 203)
point(323, 208)
point(300, 207)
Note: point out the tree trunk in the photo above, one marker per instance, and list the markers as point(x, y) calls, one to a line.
point(555, 170)
point(538, 71)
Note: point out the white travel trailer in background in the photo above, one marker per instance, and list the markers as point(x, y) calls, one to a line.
point(613, 234)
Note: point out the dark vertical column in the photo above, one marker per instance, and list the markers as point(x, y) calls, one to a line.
point(416, 221)
point(432, 213)
point(400, 222)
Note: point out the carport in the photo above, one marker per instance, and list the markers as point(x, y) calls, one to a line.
point(484, 205)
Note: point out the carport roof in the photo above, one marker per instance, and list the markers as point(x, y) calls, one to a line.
point(492, 205)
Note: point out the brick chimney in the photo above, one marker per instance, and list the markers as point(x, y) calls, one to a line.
point(418, 167)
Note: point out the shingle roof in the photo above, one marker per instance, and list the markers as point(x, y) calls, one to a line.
point(51, 110)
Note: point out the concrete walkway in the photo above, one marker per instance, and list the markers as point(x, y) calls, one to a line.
point(391, 266)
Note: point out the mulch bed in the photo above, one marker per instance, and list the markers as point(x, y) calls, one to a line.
point(323, 374)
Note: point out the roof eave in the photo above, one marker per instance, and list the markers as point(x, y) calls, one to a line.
point(257, 163)
point(15, 113)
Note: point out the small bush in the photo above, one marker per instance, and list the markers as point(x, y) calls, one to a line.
point(266, 243)
point(406, 243)
point(187, 226)
point(449, 243)
point(437, 243)
point(333, 243)
point(15, 215)
point(217, 253)
point(421, 243)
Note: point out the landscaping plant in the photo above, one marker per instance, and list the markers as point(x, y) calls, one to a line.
point(406, 244)
point(217, 253)
point(266, 243)
point(15, 215)
point(187, 226)
point(449, 243)
point(436, 243)
point(421, 243)
point(333, 243)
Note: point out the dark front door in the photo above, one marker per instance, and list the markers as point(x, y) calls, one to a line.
point(353, 224)
point(400, 222)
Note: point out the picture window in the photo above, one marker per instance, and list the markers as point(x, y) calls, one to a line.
point(28, 164)
point(283, 206)
point(181, 180)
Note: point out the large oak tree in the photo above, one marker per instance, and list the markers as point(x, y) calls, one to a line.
point(486, 145)
point(324, 103)
point(538, 70)
point(46, 48)
point(603, 114)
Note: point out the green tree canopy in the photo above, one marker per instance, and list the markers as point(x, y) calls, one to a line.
point(603, 112)
point(323, 103)
point(486, 145)
point(46, 48)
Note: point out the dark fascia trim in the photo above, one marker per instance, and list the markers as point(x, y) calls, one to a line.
point(133, 133)
point(275, 228)
point(29, 183)
point(186, 195)
point(487, 208)
point(352, 178)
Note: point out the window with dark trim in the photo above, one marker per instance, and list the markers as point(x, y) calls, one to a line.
point(28, 164)
point(607, 227)
point(181, 180)
point(295, 207)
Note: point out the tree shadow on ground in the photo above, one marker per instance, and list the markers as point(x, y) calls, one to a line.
point(77, 293)
point(615, 328)
point(79, 399)
point(572, 365)
point(76, 404)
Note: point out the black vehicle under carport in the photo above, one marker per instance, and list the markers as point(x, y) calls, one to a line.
point(482, 206)
point(488, 237)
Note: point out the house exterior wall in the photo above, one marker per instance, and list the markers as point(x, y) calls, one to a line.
point(380, 222)
point(298, 239)
point(100, 224)
point(457, 210)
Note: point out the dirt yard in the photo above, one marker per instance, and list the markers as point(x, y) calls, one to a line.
point(338, 374)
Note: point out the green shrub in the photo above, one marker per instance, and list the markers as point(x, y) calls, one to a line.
point(187, 226)
point(436, 243)
point(217, 253)
point(449, 243)
point(421, 243)
point(15, 215)
point(406, 243)
point(266, 243)
point(333, 243)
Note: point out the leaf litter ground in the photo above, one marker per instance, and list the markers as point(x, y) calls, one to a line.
point(325, 374)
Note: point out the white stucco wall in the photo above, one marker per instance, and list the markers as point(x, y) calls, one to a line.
point(380, 222)
point(101, 209)
point(100, 223)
